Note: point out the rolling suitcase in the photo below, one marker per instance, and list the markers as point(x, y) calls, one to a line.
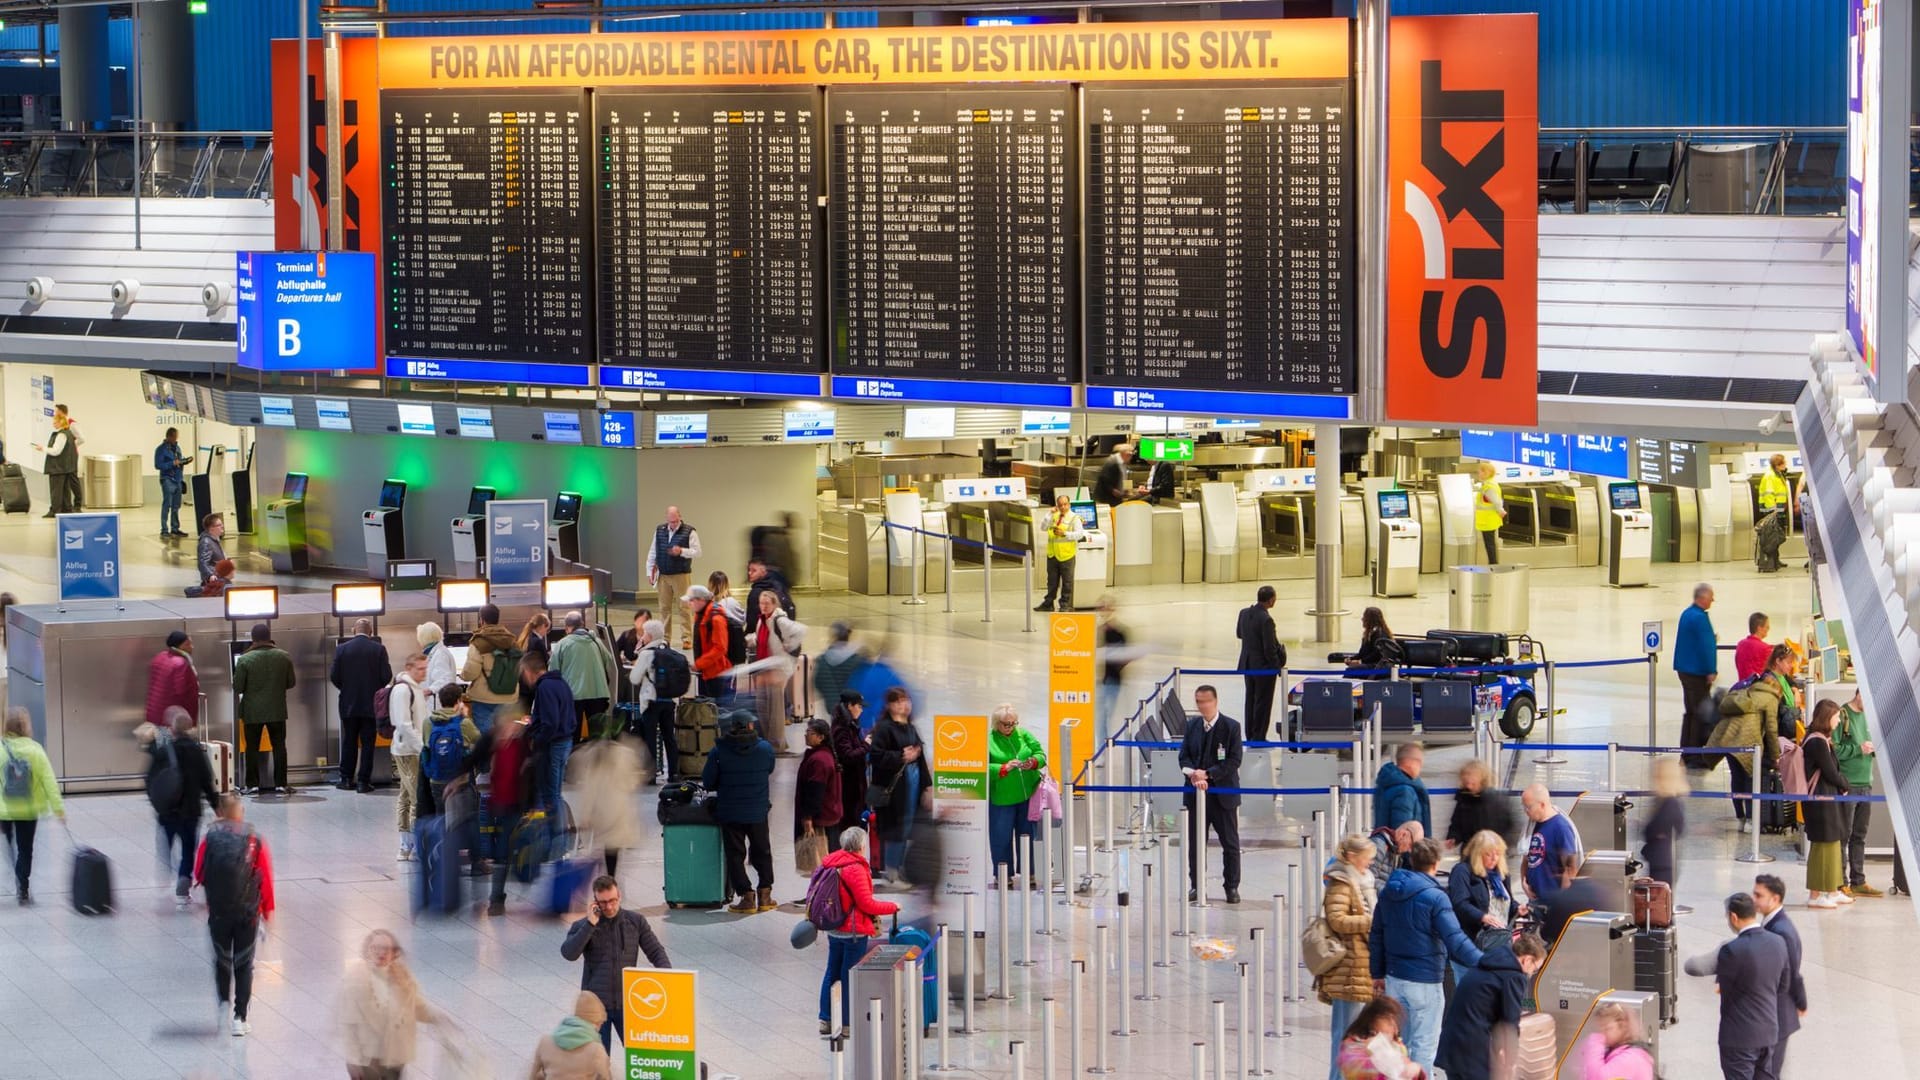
point(220, 756)
point(92, 882)
point(1655, 961)
point(695, 866)
point(436, 882)
point(568, 884)
point(696, 727)
point(1536, 1057)
point(13, 490)
point(1776, 816)
point(800, 691)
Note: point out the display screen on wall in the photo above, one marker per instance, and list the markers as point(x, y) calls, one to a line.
point(333, 414)
point(617, 428)
point(416, 419)
point(680, 429)
point(276, 411)
point(563, 427)
point(809, 425)
point(475, 423)
point(937, 423)
point(1045, 423)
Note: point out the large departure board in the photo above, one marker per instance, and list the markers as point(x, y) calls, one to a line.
point(485, 221)
point(1220, 238)
point(707, 241)
point(952, 233)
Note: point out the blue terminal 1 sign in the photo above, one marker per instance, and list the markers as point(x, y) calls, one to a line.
point(307, 310)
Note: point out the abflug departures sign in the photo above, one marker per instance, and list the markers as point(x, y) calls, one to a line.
point(306, 310)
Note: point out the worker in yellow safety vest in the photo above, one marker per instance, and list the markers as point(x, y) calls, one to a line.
point(1062, 530)
point(1775, 491)
point(1776, 515)
point(1489, 512)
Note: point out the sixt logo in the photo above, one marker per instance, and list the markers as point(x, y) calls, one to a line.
point(1448, 350)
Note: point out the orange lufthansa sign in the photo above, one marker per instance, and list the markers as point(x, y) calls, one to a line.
point(1253, 49)
point(1462, 240)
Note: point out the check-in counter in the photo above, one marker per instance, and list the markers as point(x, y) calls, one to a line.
point(1740, 519)
point(1716, 518)
point(906, 544)
point(853, 543)
point(1676, 524)
point(1169, 546)
point(1426, 510)
point(970, 521)
point(1132, 543)
point(1016, 525)
point(1551, 525)
point(1219, 531)
point(1459, 543)
point(1193, 548)
point(1277, 533)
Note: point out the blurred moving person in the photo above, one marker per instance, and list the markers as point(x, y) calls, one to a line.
point(235, 872)
point(28, 792)
point(379, 1009)
point(179, 779)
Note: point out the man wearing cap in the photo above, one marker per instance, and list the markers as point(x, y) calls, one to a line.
point(710, 635)
point(261, 677)
point(172, 681)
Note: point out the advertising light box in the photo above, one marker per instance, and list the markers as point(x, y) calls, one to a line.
point(306, 310)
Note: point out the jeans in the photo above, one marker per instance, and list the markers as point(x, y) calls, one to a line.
point(558, 751)
point(1003, 824)
point(843, 952)
point(1342, 1019)
point(171, 492)
point(185, 829)
point(1859, 815)
point(1740, 782)
point(612, 1030)
point(1424, 1002)
point(483, 714)
point(897, 844)
point(20, 835)
point(233, 938)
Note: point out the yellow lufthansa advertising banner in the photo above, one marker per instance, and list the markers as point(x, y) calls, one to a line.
point(960, 803)
point(1070, 683)
point(1254, 49)
point(661, 1008)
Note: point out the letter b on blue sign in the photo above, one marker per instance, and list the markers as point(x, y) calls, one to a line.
point(289, 337)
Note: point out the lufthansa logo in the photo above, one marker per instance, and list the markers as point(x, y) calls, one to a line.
point(1066, 631)
point(952, 735)
point(646, 1000)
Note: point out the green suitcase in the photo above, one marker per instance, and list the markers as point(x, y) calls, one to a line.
point(696, 873)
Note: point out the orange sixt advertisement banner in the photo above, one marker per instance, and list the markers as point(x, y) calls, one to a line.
point(1463, 232)
point(294, 197)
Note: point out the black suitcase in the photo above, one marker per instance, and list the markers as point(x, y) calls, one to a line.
point(1655, 959)
point(13, 490)
point(685, 803)
point(92, 882)
point(436, 881)
point(1776, 816)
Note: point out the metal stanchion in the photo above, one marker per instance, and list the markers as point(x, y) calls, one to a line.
point(1242, 1059)
point(1186, 909)
point(1199, 838)
point(1106, 800)
point(916, 563)
point(1653, 694)
point(1279, 1028)
point(941, 1000)
point(1147, 962)
point(1046, 873)
point(1000, 938)
point(1026, 907)
point(1334, 814)
point(1049, 1021)
point(1219, 1039)
point(875, 1029)
point(1296, 922)
point(1102, 957)
point(966, 965)
point(1019, 1051)
point(1126, 974)
point(986, 583)
point(1311, 895)
point(1259, 946)
point(1198, 1056)
point(837, 1053)
point(1552, 757)
point(1075, 976)
point(1026, 575)
point(1755, 855)
point(1613, 766)
point(1168, 875)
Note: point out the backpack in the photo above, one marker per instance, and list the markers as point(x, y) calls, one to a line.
point(736, 639)
point(826, 900)
point(1793, 768)
point(504, 676)
point(383, 708)
point(166, 784)
point(672, 675)
point(16, 776)
point(227, 871)
point(446, 747)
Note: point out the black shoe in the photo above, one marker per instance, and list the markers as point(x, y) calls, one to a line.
point(344, 785)
point(1044, 607)
point(365, 789)
point(48, 514)
point(1233, 896)
point(496, 907)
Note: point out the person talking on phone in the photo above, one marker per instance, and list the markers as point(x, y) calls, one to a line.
point(611, 940)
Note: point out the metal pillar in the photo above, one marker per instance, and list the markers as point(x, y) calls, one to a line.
point(86, 80)
point(166, 65)
point(1326, 511)
point(336, 154)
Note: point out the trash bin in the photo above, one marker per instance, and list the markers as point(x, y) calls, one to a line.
point(1491, 598)
point(113, 480)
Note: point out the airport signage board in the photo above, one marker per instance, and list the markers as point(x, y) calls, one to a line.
point(87, 548)
point(306, 310)
point(1036, 422)
point(618, 429)
point(680, 429)
point(661, 1016)
point(490, 371)
point(516, 542)
point(475, 423)
point(809, 425)
point(1071, 638)
point(960, 783)
point(748, 383)
point(958, 391)
point(333, 414)
point(1221, 402)
point(975, 489)
point(1160, 448)
point(276, 411)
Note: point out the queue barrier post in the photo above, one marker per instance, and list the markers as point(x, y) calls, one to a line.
point(1125, 1029)
point(1026, 575)
point(1199, 840)
point(1102, 960)
point(1754, 854)
point(1258, 944)
point(947, 578)
point(1613, 766)
point(966, 966)
point(986, 582)
point(1001, 945)
point(916, 563)
point(1076, 976)
point(1049, 1023)
point(1243, 984)
point(1019, 1051)
point(1147, 962)
point(1219, 1039)
point(1550, 757)
point(1653, 693)
point(1026, 904)
point(941, 1002)
point(837, 1051)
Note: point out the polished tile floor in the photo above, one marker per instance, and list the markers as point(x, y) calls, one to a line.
point(129, 995)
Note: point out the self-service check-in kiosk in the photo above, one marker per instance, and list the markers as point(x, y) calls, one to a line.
point(1396, 566)
point(287, 526)
point(1091, 557)
point(467, 561)
point(1629, 536)
point(563, 527)
point(383, 531)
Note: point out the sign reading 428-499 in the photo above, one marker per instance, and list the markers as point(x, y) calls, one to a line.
point(306, 310)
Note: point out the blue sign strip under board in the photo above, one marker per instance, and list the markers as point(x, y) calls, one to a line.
point(1222, 403)
point(957, 391)
point(764, 384)
point(490, 371)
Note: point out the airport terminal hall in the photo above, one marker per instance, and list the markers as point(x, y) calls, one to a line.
point(993, 539)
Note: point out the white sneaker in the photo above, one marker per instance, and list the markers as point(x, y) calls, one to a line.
point(1822, 902)
point(240, 1028)
point(406, 854)
point(1840, 898)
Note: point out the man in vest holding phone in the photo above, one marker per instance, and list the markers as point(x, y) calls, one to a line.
point(670, 569)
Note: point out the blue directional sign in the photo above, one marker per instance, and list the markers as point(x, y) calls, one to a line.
point(959, 391)
point(1543, 449)
point(1650, 635)
point(87, 547)
point(1601, 455)
point(516, 541)
point(770, 384)
point(1222, 403)
point(617, 428)
point(306, 310)
point(490, 371)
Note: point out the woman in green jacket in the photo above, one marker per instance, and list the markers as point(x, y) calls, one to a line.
point(28, 793)
point(1014, 761)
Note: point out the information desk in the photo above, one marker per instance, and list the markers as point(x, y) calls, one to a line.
point(82, 675)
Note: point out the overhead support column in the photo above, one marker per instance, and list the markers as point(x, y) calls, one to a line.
point(166, 65)
point(86, 87)
point(1326, 527)
point(1370, 336)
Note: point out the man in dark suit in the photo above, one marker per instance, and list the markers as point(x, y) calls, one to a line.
point(360, 669)
point(1160, 482)
point(1753, 975)
point(1210, 759)
point(1770, 901)
point(1260, 650)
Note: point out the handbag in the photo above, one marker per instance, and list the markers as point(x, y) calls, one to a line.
point(1489, 936)
point(880, 796)
point(1320, 948)
point(808, 851)
point(1045, 803)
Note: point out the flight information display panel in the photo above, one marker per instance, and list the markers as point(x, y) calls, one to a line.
point(952, 232)
point(707, 238)
point(1220, 237)
point(484, 212)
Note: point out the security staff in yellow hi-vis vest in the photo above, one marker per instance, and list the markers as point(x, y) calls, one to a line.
point(1775, 495)
point(1489, 512)
point(1062, 531)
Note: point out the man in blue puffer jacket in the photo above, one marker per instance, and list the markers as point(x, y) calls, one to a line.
point(1414, 932)
point(739, 772)
point(1399, 795)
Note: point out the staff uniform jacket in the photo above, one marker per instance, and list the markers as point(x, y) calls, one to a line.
point(171, 680)
point(1348, 908)
point(1218, 751)
point(1063, 545)
point(262, 676)
point(611, 946)
point(1493, 995)
point(1826, 821)
point(1414, 931)
point(360, 668)
point(380, 1029)
point(489, 645)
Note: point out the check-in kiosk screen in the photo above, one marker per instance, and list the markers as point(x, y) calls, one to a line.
point(566, 507)
point(1395, 506)
point(295, 487)
point(393, 494)
point(1624, 496)
point(477, 501)
point(1089, 514)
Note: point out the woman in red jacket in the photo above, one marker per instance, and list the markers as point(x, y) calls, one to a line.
point(847, 945)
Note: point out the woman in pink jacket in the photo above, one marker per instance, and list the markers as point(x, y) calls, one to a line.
point(1614, 1051)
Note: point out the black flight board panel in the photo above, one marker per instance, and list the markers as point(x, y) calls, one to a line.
point(707, 241)
point(952, 233)
point(485, 214)
point(1220, 237)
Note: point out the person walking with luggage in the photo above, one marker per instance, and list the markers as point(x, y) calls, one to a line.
point(739, 772)
point(1853, 751)
point(506, 754)
point(551, 724)
point(441, 669)
point(902, 780)
point(379, 1009)
point(670, 568)
point(587, 665)
point(235, 872)
point(1616, 1050)
point(572, 1050)
point(261, 679)
point(28, 792)
point(651, 694)
point(62, 466)
point(1210, 755)
point(169, 461)
point(1399, 795)
point(1414, 933)
point(848, 942)
point(1668, 822)
point(1489, 511)
point(1370, 1047)
point(763, 579)
point(712, 633)
point(1015, 764)
point(1260, 651)
point(1826, 821)
point(171, 680)
point(1770, 902)
point(603, 776)
point(179, 779)
point(610, 939)
point(850, 753)
point(1062, 528)
point(492, 670)
point(446, 763)
point(1552, 843)
point(1478, 889)
point(1347, 907)
point(1753, 976)
point(410, 707)
point(360, 669)
point(1481, 1032)
point(1696, 661)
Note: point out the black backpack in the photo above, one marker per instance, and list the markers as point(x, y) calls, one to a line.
point(227, 871)
point(672, 675)
point(166, 785)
